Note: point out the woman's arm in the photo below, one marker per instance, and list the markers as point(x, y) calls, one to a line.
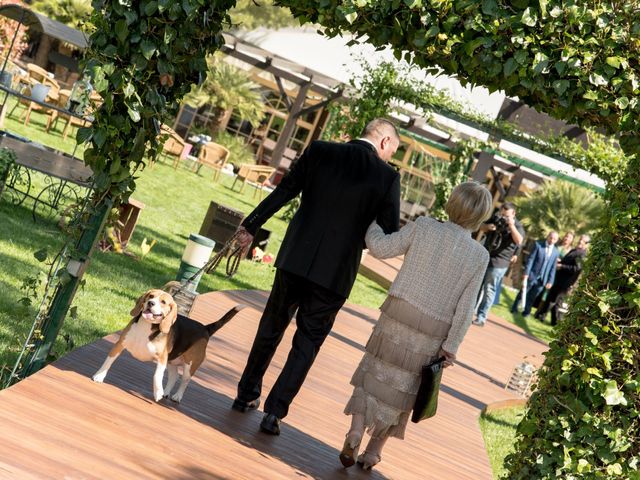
point(386, 246)
point(464, 310)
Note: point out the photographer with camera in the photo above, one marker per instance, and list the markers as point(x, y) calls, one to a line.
point(504, 234)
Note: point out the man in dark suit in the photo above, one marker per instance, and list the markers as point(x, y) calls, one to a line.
point(567, 273)
point(344, 188)
point(539, 272)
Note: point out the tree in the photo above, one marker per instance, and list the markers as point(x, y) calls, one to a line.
point(228, 87)
point(250, 14)
point(561, 206)
point(74, 13)
point(7, 31)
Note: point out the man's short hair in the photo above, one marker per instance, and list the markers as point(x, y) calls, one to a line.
point(508, 206)
point(469, 205)
point(377, 127)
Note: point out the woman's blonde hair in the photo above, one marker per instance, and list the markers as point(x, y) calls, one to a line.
point(469, 205)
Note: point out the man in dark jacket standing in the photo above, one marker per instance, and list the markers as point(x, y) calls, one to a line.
point(567, 273)
point(344, 188)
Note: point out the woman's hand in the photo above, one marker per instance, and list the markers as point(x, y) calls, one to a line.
point(449, 358)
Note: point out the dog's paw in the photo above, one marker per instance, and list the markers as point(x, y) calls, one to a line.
point(99, 377)
point(176, 397)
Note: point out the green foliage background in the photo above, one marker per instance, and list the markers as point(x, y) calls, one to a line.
point(560, 206)
point(576, 60)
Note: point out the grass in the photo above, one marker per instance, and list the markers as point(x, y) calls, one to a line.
point(542, 331)
point(176, 203)
point(499, 432)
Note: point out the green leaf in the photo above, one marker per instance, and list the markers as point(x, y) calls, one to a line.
point(133, 114)
point(148, 48)
point(351, 17)
point(540, 62)
point(510, 66)
point(561, 86)
point(490, 7)
point(597, 79)
point(41, 255)
point(121, 29)
point(99, 137)
point(84, 134)
point(150, 8)
point(73, 312)
point(521, 56)
point(128, 90)
point(615, 469)
point(614, 61)
point(613, 396)
point(529, 17)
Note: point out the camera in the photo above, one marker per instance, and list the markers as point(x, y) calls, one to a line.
point(501, 223)
point(494, 239)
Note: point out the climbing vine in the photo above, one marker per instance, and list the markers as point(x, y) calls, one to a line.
point(576, 60)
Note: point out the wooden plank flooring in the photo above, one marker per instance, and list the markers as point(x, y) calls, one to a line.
point(59, 424)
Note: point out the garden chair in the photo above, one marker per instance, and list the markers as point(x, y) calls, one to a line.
point(63, 100)
point(256, 175)
point(212, 155)
point(174, 145)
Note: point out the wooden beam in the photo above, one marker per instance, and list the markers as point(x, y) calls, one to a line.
point(287, 130)
point(283, 94)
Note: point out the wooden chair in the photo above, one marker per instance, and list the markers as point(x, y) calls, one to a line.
point(212, 155)
point(173, 145)
point(63, 100)
point(36, 73)
point(254, 174)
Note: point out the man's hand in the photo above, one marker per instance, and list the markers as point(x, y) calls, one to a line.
point(525, 277)
point(243, 237)
point(449, 358)
point(547, 286)
point(514, 259)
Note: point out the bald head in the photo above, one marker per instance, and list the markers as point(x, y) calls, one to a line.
point(384, 135)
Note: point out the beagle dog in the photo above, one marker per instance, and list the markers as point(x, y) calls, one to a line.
point(158, 333)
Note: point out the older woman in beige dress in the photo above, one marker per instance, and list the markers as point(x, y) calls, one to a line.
point(425, 316)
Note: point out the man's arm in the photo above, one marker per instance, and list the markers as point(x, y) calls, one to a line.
point(516, 236)
point(389, 215)
point(290, 186)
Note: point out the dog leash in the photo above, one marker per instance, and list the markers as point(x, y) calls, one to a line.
point(234, 255)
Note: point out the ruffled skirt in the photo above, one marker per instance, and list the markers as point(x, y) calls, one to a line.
point(386, 381)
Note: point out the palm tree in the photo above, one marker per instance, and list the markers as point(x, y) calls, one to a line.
point(74, 13)
point(228, 88)
point(561, 206)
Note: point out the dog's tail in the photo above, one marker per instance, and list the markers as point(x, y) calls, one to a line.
point(215, 326)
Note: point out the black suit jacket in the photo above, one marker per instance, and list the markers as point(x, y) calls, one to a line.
point(345, 186)
point(569, 269)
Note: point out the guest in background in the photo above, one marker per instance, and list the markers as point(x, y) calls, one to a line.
point(504, 233)
point(566, 244)
point(539, 272)
point(568, 271)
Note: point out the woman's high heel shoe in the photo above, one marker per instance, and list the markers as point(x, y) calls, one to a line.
point(368, 460)
point(350, 449)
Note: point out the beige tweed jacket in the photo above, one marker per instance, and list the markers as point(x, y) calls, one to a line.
point(442, 271)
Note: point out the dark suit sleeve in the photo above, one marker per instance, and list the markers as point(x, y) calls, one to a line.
point(288, 188)
point(389, 215)
point(552, 273)
point(531, 260)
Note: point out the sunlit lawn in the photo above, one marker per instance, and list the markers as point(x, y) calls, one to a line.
point(499, 432)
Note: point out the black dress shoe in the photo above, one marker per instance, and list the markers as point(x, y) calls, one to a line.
point(270, 424)
point(242, 406)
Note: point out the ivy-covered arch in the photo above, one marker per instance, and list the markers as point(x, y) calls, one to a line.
point(575, 60)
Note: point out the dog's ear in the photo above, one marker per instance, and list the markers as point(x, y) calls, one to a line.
point(137, 310)
point(170, 318)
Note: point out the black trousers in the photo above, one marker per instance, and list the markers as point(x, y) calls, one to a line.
point(317, 308)
point(553, 302)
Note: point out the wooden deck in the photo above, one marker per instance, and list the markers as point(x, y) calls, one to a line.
point(381, 271)
point(59, 424)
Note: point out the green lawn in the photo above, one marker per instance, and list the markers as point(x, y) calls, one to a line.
point(499, 432)
point(543, 331)
point(176, 203)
